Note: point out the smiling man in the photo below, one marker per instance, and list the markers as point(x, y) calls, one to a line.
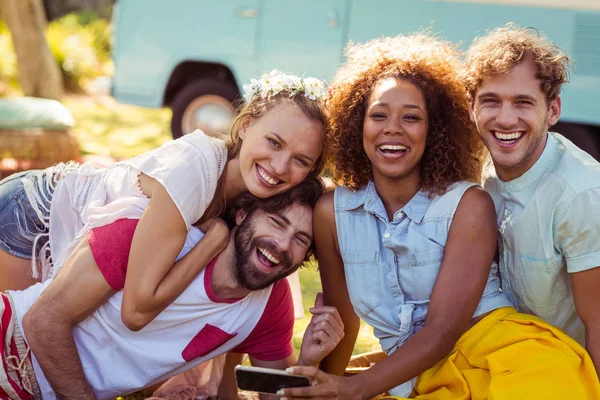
point(81, 349)
point(544, 187)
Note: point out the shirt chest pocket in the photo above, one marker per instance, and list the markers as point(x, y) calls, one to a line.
point(363, 278)
point(541, 285)
point(422, 273)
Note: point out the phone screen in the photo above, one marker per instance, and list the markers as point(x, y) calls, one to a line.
point(265, 381)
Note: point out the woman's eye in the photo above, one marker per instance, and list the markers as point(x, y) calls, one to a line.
point(302, 162)
point(378, 116)
point(412, 118)
point(273, 142)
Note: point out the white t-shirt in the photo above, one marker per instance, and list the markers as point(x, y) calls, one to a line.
point(196, 327)
point(188, 168)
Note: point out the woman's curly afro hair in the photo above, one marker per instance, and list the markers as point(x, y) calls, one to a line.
point(453, 149)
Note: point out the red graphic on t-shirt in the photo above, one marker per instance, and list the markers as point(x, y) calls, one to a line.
point(208, 339)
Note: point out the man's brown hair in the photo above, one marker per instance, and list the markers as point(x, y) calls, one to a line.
point(503, 48)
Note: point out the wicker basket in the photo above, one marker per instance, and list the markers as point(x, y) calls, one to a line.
point(35, 148)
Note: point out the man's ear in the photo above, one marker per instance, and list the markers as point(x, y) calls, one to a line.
point(243, 126)
point(472, 110)
point(554, 111)
point(240, 216)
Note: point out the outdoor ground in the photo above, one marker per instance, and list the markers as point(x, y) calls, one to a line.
point(109, 130)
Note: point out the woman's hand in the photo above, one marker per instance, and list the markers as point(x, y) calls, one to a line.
point(324, 386)
point(217, 230)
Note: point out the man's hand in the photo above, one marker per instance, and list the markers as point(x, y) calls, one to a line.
point(323, 333)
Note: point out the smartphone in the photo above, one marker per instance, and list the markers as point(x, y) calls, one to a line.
point(267, 380)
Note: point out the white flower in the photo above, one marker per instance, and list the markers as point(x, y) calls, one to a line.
point(251, 89)
point(314, 88)
point(275, 82)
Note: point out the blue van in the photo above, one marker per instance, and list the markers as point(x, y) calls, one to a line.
point(194, 55)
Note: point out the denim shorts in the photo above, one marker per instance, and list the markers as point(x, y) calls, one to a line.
point(20, 225)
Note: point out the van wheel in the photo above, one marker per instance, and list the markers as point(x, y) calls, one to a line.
point(582, 136)
point(203, 104)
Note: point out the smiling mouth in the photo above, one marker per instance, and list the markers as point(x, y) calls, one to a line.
point(267, 258)
point(508, 137)
point(392, 149)
point(266, 177)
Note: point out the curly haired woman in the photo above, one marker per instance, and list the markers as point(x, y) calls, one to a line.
point(407, 242)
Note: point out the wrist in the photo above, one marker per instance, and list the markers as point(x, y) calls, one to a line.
point(307, 363)
point(356, 386)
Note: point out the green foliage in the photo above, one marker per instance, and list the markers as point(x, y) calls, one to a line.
point(8, 61)
point(80, 43)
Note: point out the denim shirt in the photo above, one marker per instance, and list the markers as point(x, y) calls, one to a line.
point(391, 266)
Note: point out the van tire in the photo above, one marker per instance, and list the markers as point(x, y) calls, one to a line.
point(221, 94)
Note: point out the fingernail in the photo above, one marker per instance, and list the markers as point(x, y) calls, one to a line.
point(289, 370)
point(280, 391)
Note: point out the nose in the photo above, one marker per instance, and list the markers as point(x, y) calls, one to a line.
point(507, 117)
point(280, 163)
point(393, 127)
point(284, 242)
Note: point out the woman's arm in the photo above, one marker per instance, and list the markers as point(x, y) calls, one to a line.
point(333, 279)
point(458, 289)
point(153, 279)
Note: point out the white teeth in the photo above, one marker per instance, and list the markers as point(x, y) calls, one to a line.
point(267, 177)
point(508, 136)
point(393, 147)
point(269, 256)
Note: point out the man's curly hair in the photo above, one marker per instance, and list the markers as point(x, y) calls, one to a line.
point(503, 48)
point(453, 150)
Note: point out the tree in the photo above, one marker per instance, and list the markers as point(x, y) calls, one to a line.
point(39, 73)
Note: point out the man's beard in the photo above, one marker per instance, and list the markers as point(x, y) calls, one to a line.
point(246, 273)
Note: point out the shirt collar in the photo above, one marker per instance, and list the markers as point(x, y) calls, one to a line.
point(368, 198)
point(537, 170)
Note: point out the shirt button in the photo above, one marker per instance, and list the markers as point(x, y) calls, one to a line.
point(386, 235)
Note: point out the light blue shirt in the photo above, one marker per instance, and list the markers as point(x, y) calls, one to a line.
point(550, 227)
point(391, 266)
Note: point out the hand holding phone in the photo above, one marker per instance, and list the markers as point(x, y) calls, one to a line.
point(267, 380)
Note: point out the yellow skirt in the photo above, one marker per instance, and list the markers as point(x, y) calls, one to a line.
point(512, 356)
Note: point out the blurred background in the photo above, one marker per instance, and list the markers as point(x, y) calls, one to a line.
point(104, 80)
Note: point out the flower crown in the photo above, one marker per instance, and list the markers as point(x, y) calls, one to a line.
point(276, 81)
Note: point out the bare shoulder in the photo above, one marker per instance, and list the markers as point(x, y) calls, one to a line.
point(324, 206)
point(476, 203)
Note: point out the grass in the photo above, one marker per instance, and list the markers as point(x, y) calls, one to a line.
point(106, 128)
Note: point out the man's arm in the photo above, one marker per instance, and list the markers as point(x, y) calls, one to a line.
point(78, 290)
point(322, 334)
point(587, 298)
